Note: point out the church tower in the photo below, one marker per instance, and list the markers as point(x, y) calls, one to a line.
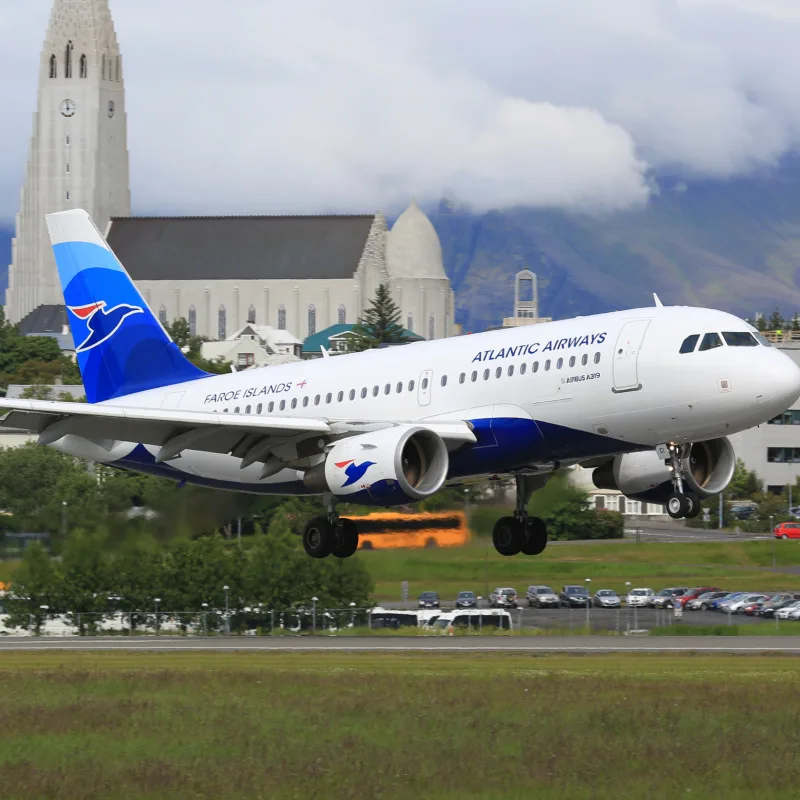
point(78, 152)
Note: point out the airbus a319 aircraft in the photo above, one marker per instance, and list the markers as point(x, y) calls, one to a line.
point(645, 397)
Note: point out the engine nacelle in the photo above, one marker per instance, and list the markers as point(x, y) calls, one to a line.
point(708, 469)
point(391, 466)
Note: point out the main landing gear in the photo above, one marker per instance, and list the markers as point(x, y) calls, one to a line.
point(521, 533)
point(680, 504)
point(330, 534)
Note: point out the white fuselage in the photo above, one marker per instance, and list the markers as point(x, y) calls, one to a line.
point(590, 386)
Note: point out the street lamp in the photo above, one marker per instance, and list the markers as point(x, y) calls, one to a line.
point(227, 618)
point(157, 601)
point(772, 536)
point(63, 518)
point(588, 606)
point(314, 614)
point(627, 604)
point(352, 615)
point(205, 619)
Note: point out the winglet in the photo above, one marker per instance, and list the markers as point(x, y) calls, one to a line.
point(325, 353)
point(659, 304)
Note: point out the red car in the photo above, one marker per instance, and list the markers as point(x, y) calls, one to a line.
point(787, 530)
point(683, 599)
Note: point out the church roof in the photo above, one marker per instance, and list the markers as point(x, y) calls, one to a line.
point(240, 248)
point(413, 249)
point(43, 319)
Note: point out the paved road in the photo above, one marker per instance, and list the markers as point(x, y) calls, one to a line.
point(505, 644)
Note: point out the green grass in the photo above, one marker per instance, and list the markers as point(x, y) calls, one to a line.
point(609, 564)
point(333, 725)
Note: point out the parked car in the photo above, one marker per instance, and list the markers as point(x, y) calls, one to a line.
point(664, 598)
point(704, 601)
point(542, 597)
point(744, 512)
point(775, 603)
point(792, 611)
point(691, 594)
point(606, 598)
point(717, 605)
point(749, 609)
point(736, 606)
point(503, 597)
point(639, 598)
point(466, 600)
point(429, 600)
point(575, 596)
point(787, 530)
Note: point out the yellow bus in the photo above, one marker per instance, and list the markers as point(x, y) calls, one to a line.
point(384, 529)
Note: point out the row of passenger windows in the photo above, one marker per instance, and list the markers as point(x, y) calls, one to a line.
point(713, 340)
point(424, 383)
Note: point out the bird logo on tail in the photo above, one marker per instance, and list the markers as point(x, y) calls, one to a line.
point(101, 323)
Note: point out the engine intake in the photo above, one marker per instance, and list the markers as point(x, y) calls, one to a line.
point(708, 468)
point(386, 467)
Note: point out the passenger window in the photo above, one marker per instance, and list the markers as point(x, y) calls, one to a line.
point(224, 410)
point(387, 389)
point(305, 402)
point(294, 402)
point(411, 386)
point(462, 377)
point(283, 404)
point(271, 406)
point(547, 365)
point(739, 339)
point(597, 358)
point(485, 377)
point(375, 390)
point(535, 366)
point(236, 410)
point(498, 372)
point(424, 383)
point(710, 341)
point(328, 398)
point(444, 380)
point(316, 400)
point(522, 368)
point(247, 410)
point(352, 394)
point(364, 393)
point(572, 361)
point(340, 397)
point(399, 387)
point(689, 343)
point(559, 363)
point(474, 376)
point(510, 370)
point(584, 360)
point(259, 408)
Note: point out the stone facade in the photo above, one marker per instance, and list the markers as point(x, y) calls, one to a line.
point(78, 152)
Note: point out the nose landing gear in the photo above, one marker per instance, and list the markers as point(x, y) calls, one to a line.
point(681, 504)
point(521, 533)
point(330, 535)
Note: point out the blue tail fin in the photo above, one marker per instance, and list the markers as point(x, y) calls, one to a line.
point(120, 346)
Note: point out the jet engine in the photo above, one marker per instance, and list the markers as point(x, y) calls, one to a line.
point(707, 469)
point(386, 467)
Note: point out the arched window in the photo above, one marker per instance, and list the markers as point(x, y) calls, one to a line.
point(432, 327)
point(221, 323)
point(281, 318)
point(117, 70)
point(410, 322)
point(312, 319)
point(192, 321)
point(103, 69)
point(53, 67)
point(84, 67)
point(342, 315)
point(68, 61)
point(162, 315)
point(251, 314)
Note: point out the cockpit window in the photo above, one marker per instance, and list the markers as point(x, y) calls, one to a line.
point(710, 341)
point(689, 343)
point(739, 339)
point(762, 340)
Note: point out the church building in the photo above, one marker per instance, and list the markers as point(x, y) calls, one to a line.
point(295, 273)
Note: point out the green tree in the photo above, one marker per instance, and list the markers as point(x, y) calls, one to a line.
point(776, 321)
point(796, 321)
point(744, 484)
point(380, 323)
point(37, 583)
point(180, 332)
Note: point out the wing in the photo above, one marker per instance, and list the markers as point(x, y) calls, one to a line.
point(246, 436)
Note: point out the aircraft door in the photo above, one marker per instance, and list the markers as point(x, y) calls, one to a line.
point(626, 355)
point(172, 400)
point(424, 390)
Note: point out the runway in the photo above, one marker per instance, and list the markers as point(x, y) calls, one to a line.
point(466, 644)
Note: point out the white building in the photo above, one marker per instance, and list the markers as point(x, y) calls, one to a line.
point(299, 273)
point(78, 151)
point(255, 346)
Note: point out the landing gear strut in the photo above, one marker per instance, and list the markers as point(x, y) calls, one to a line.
point(680, 504)
point(330, 534)
point(521, 533)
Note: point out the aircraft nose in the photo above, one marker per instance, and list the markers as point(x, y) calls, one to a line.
point(785, 382)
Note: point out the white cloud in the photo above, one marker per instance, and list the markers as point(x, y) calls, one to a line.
point(312, 105)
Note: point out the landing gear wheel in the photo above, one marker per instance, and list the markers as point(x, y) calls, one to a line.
point(319, 537)
point(346, 539)
point(508, 536)
point(535, 536)
point(677, 505)
point(694, 506)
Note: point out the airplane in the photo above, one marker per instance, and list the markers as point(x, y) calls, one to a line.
point(646, 398)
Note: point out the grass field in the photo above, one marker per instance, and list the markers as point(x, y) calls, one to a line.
point(477, 566)
point(328, 725)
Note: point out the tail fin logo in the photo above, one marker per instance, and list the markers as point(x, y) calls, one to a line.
point(102, 324)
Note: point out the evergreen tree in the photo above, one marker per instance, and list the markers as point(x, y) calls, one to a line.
point(796, 322)
point(380, 323)
point(776, 322)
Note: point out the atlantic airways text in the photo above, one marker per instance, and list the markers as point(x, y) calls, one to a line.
point(536, 347)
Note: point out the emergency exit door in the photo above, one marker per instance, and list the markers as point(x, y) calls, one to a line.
point(424, 388)
point(626, 355)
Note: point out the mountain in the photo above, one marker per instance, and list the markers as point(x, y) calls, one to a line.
point(733, 245)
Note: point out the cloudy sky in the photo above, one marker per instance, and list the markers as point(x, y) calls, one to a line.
point(312, 105)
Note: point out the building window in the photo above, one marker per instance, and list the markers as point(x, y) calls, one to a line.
point(192, 321)
point(432, 327)
point(66, 167)
point(162, 315)
point(53, 67)
point(118, 69)
point(84, 66)
point(783, 455)
point(410, 323)
point(66, 197)
point(245, 360)
point(281, 318)
point(68, 61)
point(221, 323)
point(312, 319)
point(103, 69)
point(787, 418)
point(251, 314)
point(342, 315)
